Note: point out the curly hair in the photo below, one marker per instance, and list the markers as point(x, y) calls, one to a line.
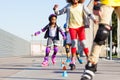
point(70, 1)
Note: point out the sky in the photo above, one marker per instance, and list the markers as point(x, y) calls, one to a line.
point(24, 17)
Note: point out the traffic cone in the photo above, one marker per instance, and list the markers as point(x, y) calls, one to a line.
point(64, 74)
point(62, 65)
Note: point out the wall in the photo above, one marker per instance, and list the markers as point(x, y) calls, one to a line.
point(11, 45)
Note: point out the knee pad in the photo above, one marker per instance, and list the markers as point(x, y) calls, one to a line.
point(67, 50)
point(74, 43)
point(101, 35)
point(55, 49)
point(48, 50)
point(84, 44)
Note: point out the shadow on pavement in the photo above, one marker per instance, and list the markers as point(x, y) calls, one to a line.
point(20, 78)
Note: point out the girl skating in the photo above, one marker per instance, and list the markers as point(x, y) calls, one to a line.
point(52, 36)
point(75, 12)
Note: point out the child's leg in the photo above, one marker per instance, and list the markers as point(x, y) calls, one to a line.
point(67, 48)
point(101, 35)
point(47, 51)
point(55, 42)
point(85, 48)
point(48, 48)
point(45, 61)
point(73, 34)
point(82, 38)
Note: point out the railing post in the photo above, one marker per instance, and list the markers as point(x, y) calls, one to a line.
point(111, 45)
point(118, 37)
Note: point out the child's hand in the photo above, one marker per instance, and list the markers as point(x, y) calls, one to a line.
point(64, 37)
point(95, 21)
point(55, 7)
point(36, 33)
point(67, 30)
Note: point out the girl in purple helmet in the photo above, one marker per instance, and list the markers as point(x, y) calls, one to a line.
point(52, 36)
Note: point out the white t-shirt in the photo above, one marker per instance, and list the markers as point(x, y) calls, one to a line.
point(76, 16)
point(52, 32)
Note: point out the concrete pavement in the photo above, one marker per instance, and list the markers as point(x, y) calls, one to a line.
point(29, 68)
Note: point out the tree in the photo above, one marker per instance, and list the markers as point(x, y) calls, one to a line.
point(114, 28)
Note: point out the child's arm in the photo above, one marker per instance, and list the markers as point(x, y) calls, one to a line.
point(89, 14)
point(60, 12)
point(45, 28)
point(37, 33)
point(62, 33)
point(42, 30)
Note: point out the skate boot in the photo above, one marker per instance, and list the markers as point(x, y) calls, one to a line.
point(68, 60)
point(72, 66)
point(45, 62)
point(53, 59)
point(78, 58)
point(89, 73)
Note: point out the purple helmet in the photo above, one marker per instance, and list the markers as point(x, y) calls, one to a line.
point(52, 15)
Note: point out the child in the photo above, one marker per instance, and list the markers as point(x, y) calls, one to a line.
point(52, 35)
point(104, 9)
point(75, 11)
point(67, 43)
